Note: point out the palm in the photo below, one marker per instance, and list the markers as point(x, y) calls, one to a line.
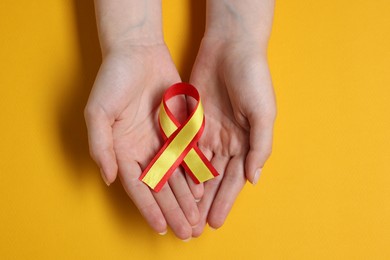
point(225, 77)
point(223, 134)
point(135, 130)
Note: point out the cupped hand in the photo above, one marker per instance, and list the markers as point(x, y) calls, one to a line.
point(121, 117)
point(236, 89)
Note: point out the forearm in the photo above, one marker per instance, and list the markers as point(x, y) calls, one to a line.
point(239, 20)
point(128, 22)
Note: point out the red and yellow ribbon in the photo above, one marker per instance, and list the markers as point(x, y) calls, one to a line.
point(180, 147)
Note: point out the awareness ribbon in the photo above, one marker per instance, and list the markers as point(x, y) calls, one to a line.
point(180, 147)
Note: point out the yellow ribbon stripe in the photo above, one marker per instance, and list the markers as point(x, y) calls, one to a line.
point(192, 159)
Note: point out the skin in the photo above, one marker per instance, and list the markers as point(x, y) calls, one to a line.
point(232, 75)
point(121, 113)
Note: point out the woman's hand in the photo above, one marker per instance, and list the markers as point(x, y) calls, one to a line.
point(121, 116)
point(235, 85)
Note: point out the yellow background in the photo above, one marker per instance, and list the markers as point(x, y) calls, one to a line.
point(324, 194)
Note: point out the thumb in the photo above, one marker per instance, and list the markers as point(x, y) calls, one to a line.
point(261, 133)
point(101, 145)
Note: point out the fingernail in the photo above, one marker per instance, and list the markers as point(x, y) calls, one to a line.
point(186, 240)
point(257, 176)
point(104, 177)
point(197, 200)
point(163, 233)
point(213, 229)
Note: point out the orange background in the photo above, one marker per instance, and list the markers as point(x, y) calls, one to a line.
point(324, 194)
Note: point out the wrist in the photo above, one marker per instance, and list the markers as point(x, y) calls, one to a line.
point(123, 23)
point(225, 54)
point(124, 45)
point(240, 21)
point(225, 45)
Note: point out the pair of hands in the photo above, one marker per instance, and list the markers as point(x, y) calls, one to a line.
point(236, 90)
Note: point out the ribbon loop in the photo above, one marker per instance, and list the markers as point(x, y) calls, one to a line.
point(180, 147)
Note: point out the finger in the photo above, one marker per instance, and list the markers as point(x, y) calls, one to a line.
point(184, 197)
point(101, 143)
point(261, 133)
point(210, 190)
point(173, 213)
point(141, 195)
point(198, 189)
point(232, 183)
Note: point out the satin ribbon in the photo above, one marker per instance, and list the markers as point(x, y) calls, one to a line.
point(180, 147)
